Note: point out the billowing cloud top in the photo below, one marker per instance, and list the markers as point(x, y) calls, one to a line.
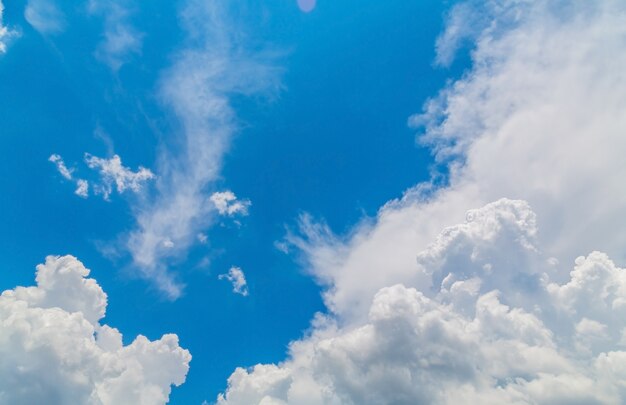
point(490, 310)
point(55, 351)
point(481, 321)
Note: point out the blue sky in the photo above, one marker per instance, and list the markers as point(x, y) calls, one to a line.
point(333, 142)
point(327, 133)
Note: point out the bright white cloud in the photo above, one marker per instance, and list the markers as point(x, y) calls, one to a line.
point(82, 188)
point(486, 311)
point(113, 173)
point(213, 66)
point(482, 323)
point(61, 167)
point(120, 38)
point(45, 16)
point(54, 349)
point(226, 203)
point(238, 279)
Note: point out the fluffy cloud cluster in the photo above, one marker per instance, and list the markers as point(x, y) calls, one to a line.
point(226, 203)
point(112, 172)
point(487, 311)
point(54, 349)
point(238, 280)
point(483, 321)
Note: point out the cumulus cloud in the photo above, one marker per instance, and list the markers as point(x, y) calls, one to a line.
point(214, 65)
point(482, 322)
point(113, 173)
point(238, 279)
point(45, 16)
point(489, 310)
point(226, 203)
point(120, 39)
point(54, 349)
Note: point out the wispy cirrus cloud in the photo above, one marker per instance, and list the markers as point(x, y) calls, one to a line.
point(513, 304)
point(120, 39)
point(214, 65)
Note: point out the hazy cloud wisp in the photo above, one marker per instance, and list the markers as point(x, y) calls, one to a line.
point(197, 88)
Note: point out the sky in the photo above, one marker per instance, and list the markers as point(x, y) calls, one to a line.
point(312, 202)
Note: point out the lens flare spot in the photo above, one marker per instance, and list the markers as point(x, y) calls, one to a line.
point(306, 5)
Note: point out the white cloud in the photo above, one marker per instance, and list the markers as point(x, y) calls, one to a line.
point(5, 33)
point(505, 339)
point(45, 16)
point(82, 188)
point(238, 279)
point(488, 312)
point(61, 167)
point(112, 172)
point(226, 203)
point(120, 38)
point(197, 87)
point(54, 349)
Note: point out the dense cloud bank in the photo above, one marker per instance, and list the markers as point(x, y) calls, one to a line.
point(54, 350)
point(515, 304)
point(486, 324)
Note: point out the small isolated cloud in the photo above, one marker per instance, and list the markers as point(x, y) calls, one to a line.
point(120, 39)
point(61, 167)
point(113, 173)
point(226, 203)
point(45, 16)
point(82, 188)
point(237, 278)
point(55, 350)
